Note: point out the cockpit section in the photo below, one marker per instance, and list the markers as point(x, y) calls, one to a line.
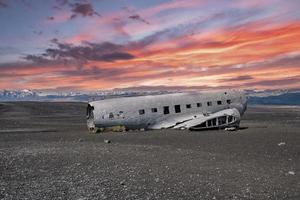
point(90, 112)
point(90, 117)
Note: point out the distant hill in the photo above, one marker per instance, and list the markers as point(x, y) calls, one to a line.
point(282, 99)
point(268, 97)
point(29, 95)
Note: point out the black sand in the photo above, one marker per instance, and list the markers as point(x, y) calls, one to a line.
point(47, 153)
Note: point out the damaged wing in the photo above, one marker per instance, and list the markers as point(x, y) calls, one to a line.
point(222, 119)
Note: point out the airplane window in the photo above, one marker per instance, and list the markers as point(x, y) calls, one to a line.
point(142, 111)
point(214, 121)
point(188, 105)
point(222, 120)
point(177, 109)
point(209, 103)
point(219, 102)
point(199, 104)
point(209, 123)
point(154, 110)
point(230, 119)
point(228, 101)
point(166, 110)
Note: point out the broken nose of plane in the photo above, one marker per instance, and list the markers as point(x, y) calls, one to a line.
point(245, 101)
point(245, 107)
point(243, 104)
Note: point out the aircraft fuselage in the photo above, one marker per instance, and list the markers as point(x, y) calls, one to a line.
point(180, 110)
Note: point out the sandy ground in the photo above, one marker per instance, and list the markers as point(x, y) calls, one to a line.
point(47, 153)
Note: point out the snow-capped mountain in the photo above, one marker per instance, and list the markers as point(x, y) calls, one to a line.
point(271, 97)
point(267, 93)
point(30, 95)
point(17, 94)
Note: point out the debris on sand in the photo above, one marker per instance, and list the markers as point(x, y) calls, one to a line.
point(291, 173)
point(281, 144)
point(107, 141)
point(230, 129)
point(80, 140)
point(122, 182)
point(118, 128)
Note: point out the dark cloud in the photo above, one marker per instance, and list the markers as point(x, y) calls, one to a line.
point(95, 72)
point(60, 3)
point(3, 4)
point(38, 32)
point(83, 9)
point(172, 88)
point(138, 18)
point(286, 60)
point(134, 15)
point(79, 8)
point(116, 56)
point(107, 52)
point(54, 40)
point(238, 78)
point(36, 62)
point(50, 18)
point(37, 59)
point(275, 82)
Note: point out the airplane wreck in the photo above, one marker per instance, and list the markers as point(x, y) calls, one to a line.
point(193, 111)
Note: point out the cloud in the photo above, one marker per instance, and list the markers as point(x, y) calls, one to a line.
point(138, 18)
point(115, 56)
point(107, 52)
point(50, 18)
point(83, 9)
point(238, 78)
point(286, 59)
point(275, 82)
point(182, 48)
point(37, 59)
point(60, 3)
point(3, 4)
point(38, 32)
point(172, 5)
point(134, 15)
point(94, 72)
point(170, 88)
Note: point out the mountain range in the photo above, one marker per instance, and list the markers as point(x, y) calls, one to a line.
point(266, 97)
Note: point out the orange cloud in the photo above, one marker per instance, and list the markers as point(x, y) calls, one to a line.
point(255, 56)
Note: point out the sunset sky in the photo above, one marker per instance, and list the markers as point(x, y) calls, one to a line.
point(185, 44)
